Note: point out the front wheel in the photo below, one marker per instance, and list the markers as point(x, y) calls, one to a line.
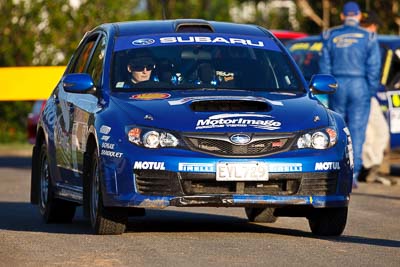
point(328, 221)
point(263, 215)
point(104, 221)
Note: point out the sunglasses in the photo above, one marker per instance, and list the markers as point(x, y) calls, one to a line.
point(142, 67)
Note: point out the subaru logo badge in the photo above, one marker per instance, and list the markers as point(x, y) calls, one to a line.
point(240, 139)
point(143, 41)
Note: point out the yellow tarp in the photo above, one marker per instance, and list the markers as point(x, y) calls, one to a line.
point(28, 83)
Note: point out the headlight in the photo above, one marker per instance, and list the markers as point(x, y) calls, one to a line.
point(151, 138)
point(318, 139)
point(304, 141)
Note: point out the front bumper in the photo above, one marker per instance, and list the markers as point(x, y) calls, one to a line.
point(316, 179)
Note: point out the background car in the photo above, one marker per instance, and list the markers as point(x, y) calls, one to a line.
point(306, 51)
point(33, 118)
point(186, 113)
point(285, 35)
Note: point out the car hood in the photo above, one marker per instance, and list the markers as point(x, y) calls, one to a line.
point(221, 110)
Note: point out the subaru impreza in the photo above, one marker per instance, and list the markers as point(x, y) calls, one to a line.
point(189, 113)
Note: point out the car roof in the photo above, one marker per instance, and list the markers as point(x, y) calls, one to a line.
point(170, 26)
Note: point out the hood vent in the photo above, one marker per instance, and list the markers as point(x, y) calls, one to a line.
point(230, 105)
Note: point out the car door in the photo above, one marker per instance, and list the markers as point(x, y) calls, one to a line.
point(66, 143)
point(85, 105)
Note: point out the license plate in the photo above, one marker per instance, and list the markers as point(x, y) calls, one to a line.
point(250, 171)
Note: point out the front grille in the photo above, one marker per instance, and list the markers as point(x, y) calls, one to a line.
point(220, 145)
point(278, 184)
point(288, 187)
point(152, 182)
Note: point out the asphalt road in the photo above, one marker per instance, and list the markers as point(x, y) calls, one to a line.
point(195, 236)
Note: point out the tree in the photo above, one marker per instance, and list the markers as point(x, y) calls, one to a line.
point(312, 15)
point(46, 32)
point(388, 11)
point(201, 9)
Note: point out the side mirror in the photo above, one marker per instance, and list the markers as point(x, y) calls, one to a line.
point(323, 84)
point(78, 83)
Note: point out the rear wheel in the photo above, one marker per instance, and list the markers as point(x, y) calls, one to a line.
point(53, 210)
point(265, 215)
point(104, 221)
point(328, 221)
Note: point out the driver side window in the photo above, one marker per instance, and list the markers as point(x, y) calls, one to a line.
point(95, 68)
point(79, 64)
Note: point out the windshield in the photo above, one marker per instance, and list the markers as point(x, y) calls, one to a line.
point(201, 61)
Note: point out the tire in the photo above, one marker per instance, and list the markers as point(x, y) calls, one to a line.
point(104, 221)
point(264, 215)
point(328, 221)
point(53, 210)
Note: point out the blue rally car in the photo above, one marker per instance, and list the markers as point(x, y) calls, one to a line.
point(152, 114)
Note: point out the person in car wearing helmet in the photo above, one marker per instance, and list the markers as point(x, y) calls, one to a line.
point(140, 67)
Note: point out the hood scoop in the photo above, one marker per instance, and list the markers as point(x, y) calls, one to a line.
point(230, 105)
